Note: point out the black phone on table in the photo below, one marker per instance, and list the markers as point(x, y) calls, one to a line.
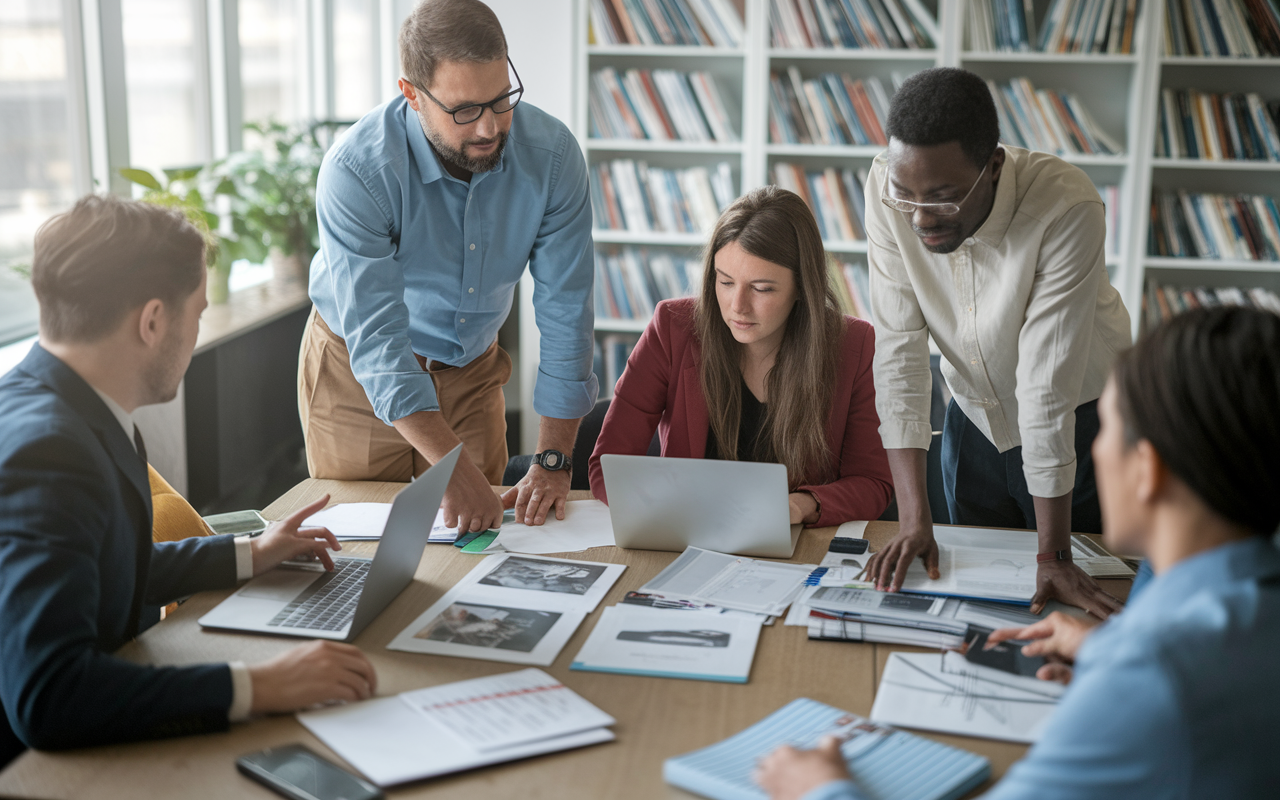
point(299, 773)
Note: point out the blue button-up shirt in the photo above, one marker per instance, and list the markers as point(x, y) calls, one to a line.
point(413, 260)
point(1174, 698)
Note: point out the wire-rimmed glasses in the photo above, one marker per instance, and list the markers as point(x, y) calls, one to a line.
point(934, 209)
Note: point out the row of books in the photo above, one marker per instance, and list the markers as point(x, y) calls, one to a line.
point(852, 24)
point(1049, 120)
point(1218, 127)
point(1247, 28)
point(1069, 26)
point(830, 109)
point(1160, 303)
point(1192, 225)
point(610, 358)
point(852, 286)
point(834, 195)
point(670, 22)
point(628, 195)
point(660, 104)
point(630, 281)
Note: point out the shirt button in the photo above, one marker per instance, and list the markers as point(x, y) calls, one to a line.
point(970, 241)
point(971, 361)
point(464, 319)
point(472, 290)
point(473, 247)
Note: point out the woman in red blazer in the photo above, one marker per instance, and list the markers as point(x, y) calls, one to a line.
point(762, 366)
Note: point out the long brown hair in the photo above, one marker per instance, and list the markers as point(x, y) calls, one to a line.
point(775, 225)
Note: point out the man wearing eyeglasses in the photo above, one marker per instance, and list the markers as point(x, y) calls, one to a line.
point(997, 253)
point(429, 208)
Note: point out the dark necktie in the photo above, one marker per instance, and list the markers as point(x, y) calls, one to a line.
point(138, 443)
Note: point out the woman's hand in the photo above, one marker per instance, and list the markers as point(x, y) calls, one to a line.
point(1056, 637)
point(804, 508)
point(789, 774)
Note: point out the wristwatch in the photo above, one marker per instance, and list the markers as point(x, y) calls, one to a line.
point(1056, 555)
point(553, 461)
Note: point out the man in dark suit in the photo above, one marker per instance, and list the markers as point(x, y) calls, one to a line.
point(121, 287)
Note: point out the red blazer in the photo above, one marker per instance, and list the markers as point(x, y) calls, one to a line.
point(660, 388)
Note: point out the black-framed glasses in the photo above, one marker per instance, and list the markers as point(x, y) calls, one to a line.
point(469, 113)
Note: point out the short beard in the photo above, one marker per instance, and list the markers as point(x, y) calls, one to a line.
point(163, 376)
point(458, 158)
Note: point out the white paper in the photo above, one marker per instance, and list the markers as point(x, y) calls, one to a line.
point(586, 524)
point(351, 521)
point(512, 607)
point(699, 645)
point(391, 743)
point(943, 692)
point(501, 711)
point(747, 584)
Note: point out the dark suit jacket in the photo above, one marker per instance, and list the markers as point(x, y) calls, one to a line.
point(79, 576)
point(660, 388)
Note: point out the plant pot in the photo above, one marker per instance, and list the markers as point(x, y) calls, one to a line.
point(286, 269)
point(218, 288)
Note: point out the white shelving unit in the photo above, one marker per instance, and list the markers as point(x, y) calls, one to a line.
point(1121, 92)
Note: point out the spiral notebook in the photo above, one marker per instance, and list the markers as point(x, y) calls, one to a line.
point(887, 764)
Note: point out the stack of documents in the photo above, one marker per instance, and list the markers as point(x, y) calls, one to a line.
point(442, 729)
point(944, 692)
point(736, 582)
point(363, 522)
point(672, 643)
point(886, 764)
point(996, 565)
point(511, 607)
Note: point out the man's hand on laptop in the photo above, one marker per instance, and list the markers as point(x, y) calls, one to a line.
point(312, 674)
point(287, 539)
point(469, 501)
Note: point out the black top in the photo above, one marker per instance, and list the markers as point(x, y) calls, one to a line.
point(749, 429)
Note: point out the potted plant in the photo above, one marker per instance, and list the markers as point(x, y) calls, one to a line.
point(273, 193)
point(181, 189)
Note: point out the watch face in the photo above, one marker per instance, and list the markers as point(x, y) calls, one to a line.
point(552, 460)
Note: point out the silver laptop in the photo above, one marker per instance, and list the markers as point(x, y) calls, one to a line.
point(737, 507)
point(340, 604)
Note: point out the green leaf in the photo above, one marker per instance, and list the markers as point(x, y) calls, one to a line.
point(142, 178)
point(182, 173)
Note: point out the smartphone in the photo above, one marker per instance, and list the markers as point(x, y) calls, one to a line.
point(295, 771)
point(1006, 656)
point(237, 523)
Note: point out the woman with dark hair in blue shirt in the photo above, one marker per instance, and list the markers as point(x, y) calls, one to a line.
point(1176, 696)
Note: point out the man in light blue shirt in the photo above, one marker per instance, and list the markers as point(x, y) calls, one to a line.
point(1176, 696)
point(429, 209)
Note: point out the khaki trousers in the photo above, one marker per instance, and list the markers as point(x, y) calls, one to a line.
point(346, 441)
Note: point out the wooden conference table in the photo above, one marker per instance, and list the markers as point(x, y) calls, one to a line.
point(657, 717)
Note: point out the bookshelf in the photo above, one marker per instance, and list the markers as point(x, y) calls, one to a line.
point(1120, 90)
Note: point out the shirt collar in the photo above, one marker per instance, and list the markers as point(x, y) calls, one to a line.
point(429, 167)
point(123, 417)
point(1002, 208)
point(1255, 558)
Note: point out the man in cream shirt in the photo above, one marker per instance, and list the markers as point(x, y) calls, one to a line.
point(997, 253)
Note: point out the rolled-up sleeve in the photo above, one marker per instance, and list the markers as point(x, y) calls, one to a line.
point(902, 378)
point(1054, 347)
point(365, 284)
point(563, 273)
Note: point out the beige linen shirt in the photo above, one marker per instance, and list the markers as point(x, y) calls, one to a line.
point(1023, 312)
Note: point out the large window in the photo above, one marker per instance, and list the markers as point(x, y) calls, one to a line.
point(273, 60)
point(36, 165)
point(165, 58)
point(355, 68)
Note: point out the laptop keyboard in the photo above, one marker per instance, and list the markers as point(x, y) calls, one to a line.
point(329, 602)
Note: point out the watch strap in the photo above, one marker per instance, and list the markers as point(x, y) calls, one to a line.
point(559, 460)
point(1056, 555)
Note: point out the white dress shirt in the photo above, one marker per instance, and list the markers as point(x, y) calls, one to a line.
point(1023, 312)
point(241, 682)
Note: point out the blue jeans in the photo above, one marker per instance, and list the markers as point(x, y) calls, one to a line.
point(987, 488)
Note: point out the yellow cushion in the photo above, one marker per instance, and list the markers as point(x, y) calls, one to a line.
point(173, 516)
